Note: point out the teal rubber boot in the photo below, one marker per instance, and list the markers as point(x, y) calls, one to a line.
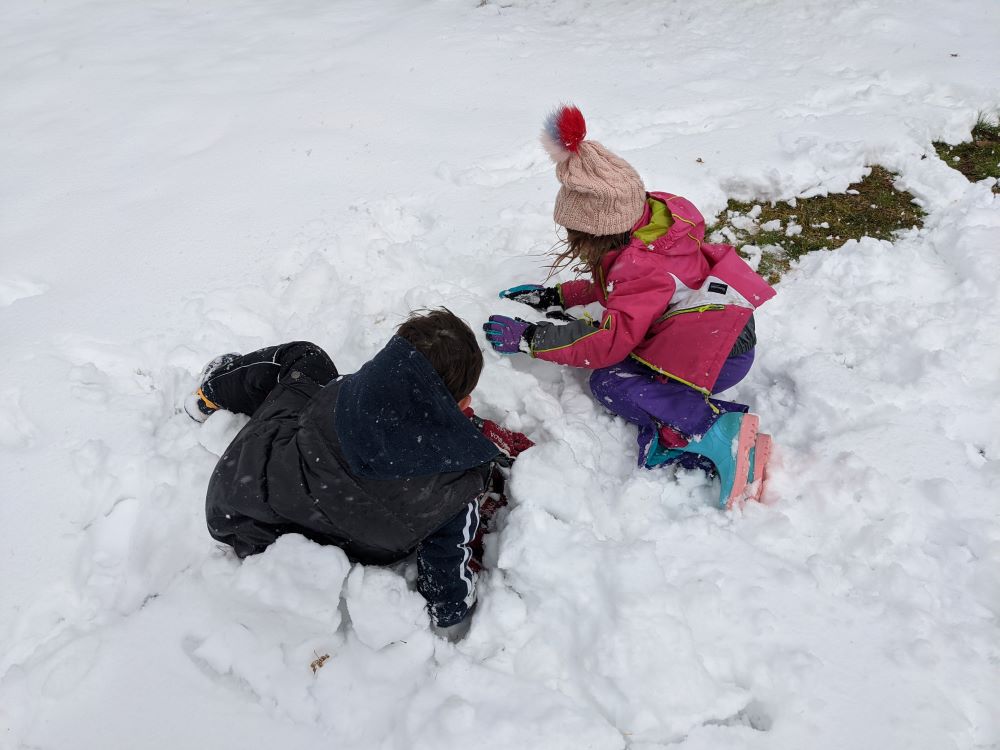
point(657, 455)
point(728, 445)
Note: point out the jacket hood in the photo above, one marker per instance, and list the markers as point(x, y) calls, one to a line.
point(667, 224)
point(395, 418)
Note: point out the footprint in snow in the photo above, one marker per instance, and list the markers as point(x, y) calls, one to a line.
point(527, 162)
point(16, 430)
point(14, 288)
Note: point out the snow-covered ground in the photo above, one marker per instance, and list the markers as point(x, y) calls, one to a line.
point(181, 179)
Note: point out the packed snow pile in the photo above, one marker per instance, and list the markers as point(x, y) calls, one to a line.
point(181, 181)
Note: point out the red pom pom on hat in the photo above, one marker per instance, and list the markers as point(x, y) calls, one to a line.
point(563, 133)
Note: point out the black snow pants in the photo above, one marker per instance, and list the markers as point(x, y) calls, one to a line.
point(243, 382)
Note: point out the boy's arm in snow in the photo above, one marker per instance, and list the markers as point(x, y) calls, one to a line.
point(639, 292)
point(446, 577)
point(511, 444)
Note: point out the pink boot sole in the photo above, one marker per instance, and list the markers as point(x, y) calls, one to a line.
point(762, 454)
point(744, 442)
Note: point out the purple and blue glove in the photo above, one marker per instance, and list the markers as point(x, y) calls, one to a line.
point(509, 335)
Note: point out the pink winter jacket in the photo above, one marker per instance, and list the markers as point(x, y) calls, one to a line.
point(676, 305)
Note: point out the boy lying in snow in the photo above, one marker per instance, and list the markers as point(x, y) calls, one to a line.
point(381, 463)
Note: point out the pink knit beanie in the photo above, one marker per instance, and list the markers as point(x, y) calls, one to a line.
point(601, 194)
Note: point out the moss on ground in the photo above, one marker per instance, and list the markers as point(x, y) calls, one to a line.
point(978, 158)
point(779, 233)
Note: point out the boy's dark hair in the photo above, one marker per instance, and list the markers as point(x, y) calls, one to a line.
point(449, 345)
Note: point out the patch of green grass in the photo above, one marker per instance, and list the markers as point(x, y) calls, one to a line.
point(979, 158)
point(782, 232)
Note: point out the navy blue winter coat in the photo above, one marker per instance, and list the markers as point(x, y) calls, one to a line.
point(380, 463)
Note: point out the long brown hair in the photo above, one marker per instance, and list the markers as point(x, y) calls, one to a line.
point(582, 252)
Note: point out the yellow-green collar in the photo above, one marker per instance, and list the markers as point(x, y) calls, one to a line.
point(660, 221)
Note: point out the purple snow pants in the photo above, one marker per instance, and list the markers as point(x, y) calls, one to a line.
point(635, 392)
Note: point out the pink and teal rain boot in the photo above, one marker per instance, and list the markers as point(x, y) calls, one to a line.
point(728, 444)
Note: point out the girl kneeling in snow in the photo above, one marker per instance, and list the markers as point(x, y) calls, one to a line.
point(678, 313)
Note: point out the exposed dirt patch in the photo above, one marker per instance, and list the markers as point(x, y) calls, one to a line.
point(978, 158)
point(781, 232)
